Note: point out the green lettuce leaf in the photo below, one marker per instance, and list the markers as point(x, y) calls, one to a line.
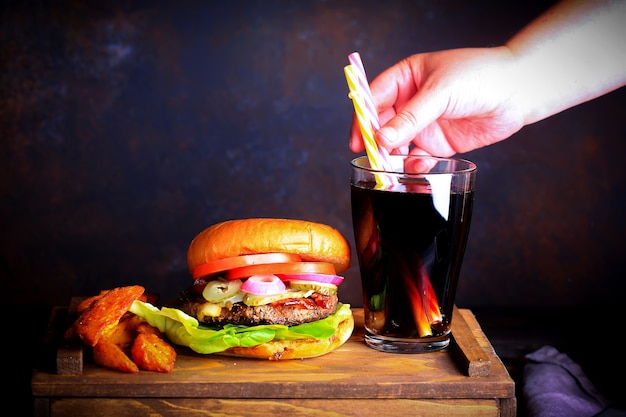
point(184, 330)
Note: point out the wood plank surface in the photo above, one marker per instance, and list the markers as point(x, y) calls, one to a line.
point(352, 371)
point(186, 407)
point(465, 347)
point(69, 358)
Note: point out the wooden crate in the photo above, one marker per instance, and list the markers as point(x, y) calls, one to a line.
point(467, 379)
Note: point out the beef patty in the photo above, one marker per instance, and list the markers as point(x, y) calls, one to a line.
point(286, 312)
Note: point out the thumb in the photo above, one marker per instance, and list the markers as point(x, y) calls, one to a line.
point(422, 110)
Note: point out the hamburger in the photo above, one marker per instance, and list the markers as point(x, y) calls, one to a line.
point(261, 288)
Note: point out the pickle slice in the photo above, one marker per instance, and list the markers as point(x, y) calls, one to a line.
point(220, 290)
point(320, 287)
point(259, 300)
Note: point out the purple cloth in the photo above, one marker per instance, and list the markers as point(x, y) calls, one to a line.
point(556, 386)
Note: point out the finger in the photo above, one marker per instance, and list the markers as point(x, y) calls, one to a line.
point(432, 141)
point(393, 87)
point(391, 90)
point(418, 113)
point(405, 105)
point(383, 91)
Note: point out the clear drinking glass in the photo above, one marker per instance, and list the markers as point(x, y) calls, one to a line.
point(410, 239)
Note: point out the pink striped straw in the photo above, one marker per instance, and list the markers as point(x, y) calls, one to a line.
point(355, 59)
point(371, 148)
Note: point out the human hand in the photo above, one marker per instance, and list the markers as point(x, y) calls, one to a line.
point(446, 102)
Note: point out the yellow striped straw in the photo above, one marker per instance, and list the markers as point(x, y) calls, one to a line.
point(367, 131)
point(371, 112)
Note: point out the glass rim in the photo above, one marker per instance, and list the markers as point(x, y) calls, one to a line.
point(471, 166)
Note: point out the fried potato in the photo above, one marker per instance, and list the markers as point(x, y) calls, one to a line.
point(121, 340)
point(84, 305)
point(105, 313)
point(147, 297)
point(109, 355)
point(70, 333)
point(146, 328)
point(123, 334)
point(151, 353)
point(79, 308)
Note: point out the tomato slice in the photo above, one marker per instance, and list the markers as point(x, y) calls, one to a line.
point(224, 264)
point(323, 278)
point(281, 268)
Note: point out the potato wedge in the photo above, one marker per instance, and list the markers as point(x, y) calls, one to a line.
point(84, 305)
point(123, 334)
point(147, 297)
point(105, 313)
point(109, 355)
point(151, 353)
point(146, 328)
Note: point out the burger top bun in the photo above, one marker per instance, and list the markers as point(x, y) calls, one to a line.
point(311, 241)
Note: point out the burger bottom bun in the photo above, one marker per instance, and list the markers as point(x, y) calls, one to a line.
point(296, 349)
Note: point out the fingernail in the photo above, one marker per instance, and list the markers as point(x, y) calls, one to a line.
point(388, 134)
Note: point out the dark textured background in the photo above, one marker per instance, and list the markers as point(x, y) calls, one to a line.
point(129, 126)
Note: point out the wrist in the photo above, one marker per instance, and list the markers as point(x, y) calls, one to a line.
point(570, 55)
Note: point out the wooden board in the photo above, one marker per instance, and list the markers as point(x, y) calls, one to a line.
point(191, 407)
point(464, 346)
point(69, 356)
point(352, 374)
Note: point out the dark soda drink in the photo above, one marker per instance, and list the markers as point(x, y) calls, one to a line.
point(410, 247)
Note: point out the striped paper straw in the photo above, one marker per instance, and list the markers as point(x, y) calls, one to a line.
point(367, 131)
point(372, 114)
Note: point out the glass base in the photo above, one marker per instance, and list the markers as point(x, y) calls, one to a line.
point(397, 345)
